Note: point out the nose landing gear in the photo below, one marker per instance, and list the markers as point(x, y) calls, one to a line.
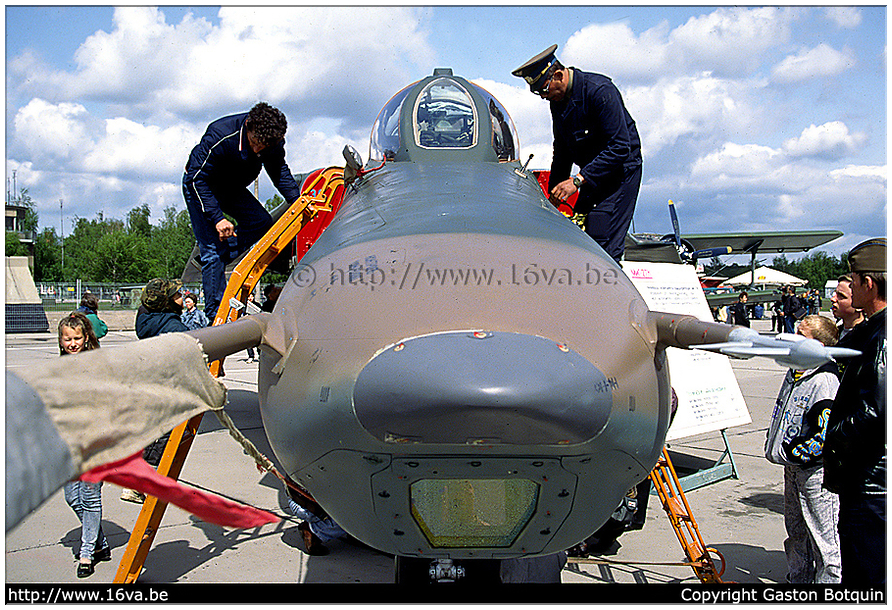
point(415, 571)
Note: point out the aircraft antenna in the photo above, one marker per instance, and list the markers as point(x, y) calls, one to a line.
point(523, 170)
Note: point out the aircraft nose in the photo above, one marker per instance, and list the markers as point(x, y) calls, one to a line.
point(480, 388)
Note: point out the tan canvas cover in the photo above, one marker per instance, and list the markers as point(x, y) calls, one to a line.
point(109, 403)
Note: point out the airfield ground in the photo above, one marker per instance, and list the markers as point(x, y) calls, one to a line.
point(741, 518)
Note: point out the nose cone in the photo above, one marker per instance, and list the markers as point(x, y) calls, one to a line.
point(481, 387)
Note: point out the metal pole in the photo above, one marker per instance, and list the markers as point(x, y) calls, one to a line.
point(62, 238)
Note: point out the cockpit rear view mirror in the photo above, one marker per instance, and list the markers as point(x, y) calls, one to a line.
point(354, 164)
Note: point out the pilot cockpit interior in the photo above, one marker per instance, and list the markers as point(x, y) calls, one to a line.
point(444, 116)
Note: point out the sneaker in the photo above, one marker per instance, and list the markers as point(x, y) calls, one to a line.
point(102, 555)
point(84, 569)
point(131, 495)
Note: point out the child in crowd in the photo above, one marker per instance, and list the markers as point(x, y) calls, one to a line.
point(193, 317)
point(76, 334)
point(90, 308)
point(795, 440)
point(85, 499)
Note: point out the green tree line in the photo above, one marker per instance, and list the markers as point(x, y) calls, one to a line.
point(817, 267)
point(111, 250)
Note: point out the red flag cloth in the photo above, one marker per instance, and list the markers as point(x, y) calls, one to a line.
point(135, 473)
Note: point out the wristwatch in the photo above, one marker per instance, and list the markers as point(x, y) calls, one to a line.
point(577, 181)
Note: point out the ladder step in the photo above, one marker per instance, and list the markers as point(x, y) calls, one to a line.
point(677, 509)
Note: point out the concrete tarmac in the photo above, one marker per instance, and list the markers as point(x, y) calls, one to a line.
point(742, 518)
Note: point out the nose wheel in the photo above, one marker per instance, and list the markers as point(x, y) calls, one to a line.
point(421, 571)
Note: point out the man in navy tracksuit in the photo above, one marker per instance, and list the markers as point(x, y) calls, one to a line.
point(592, 129)
point(226, 160)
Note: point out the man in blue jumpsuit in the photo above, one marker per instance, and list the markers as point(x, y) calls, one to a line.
point(593, 130)
point(220, 168)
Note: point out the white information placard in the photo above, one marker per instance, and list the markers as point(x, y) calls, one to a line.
point(709, 398)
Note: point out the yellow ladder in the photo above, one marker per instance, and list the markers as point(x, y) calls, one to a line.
point(676, 505)
point(318, 195)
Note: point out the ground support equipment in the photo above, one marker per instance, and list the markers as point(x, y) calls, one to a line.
point(321, 196)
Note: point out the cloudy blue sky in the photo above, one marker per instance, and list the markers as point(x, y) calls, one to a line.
point(751, 118)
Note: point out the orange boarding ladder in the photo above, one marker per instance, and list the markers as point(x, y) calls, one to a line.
point(321, 193)
point(675, 504)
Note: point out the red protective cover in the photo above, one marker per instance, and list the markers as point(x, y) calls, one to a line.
point(135, 473)
point(566, 208)
point(314, 228)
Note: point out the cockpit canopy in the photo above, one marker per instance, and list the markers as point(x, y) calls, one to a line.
point(443, 118)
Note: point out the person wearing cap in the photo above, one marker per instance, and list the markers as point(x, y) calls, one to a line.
point(594, 131)
point(855, 445)
point(162, 304)
point(159, 313)
point(221, 166)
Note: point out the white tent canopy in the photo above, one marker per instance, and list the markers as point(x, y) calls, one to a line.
point(766, 276)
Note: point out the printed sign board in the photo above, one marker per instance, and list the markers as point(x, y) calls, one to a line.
point(709, 398)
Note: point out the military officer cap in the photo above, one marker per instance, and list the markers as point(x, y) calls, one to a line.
point(535, 71)
point(158, 293)
point(869, 256)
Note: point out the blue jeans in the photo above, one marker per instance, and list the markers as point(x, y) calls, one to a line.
point(810, 515)
point(85, 499)
point(862, 539)
point(252, 220)
point(324, 529)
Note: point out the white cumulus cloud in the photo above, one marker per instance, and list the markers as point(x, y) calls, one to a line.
point(616, 50)
point(276, 54)
point(728, 42)
point(695, 108)
point(734, 164)
point(831, 140)
point(52, 133)
point(820, 61)
point(731, 41)
point(844, 16)
point(137, 149)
